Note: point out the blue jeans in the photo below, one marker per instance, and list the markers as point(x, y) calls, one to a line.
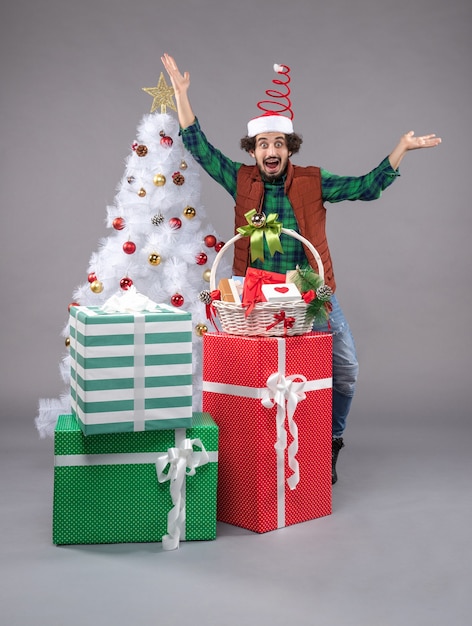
point(345, 366)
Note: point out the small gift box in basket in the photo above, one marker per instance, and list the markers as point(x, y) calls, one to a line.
point(270, 319)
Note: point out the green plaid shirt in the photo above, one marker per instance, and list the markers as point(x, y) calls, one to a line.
point(334, 189)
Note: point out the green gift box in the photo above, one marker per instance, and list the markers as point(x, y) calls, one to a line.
point(135, 487)
point(131, 371)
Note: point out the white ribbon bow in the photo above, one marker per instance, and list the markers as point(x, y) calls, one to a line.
point(182, 462)
point(283, 390)
point(129, 301)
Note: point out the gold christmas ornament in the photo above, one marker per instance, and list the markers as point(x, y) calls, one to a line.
point(183, 165)
point(142, 192)
point(159, 180)
point(189, 212)
point(162, 95)
point(258, 220)
point(96, 286)
point(201, 329)
point(154, 258)
point(206, 275)
point(67, 342)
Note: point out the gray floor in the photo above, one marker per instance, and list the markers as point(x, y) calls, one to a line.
point(396, 550)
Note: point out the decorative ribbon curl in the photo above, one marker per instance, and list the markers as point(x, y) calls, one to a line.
point(288, 322)
point(182, 462)
point(271, 230)
point(208, 297)
point(210, 308)
point(131, 301)
point(308, 296)
point(283, 390)
point(275, 105)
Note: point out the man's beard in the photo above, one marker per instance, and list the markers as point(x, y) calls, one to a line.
point(270, 179)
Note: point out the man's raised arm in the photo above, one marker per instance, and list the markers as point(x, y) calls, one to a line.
point(407, 142)
point(180, 83)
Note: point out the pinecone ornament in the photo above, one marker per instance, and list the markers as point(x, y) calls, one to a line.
point(178, 178)
point(157, 219)
point(205, 297)
point(324, 293)
point(141, 150)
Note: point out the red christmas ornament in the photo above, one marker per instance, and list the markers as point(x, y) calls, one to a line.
point(177, 299)
point(91, 277)
point(129, 247)
point(175, 223)
point(201, 258)
point(166, 141)
point(126, 283)
point(219, 245)
point(210, 241)
point(118, 223)
point(72, 304)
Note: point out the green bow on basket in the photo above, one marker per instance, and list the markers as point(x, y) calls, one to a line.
point(258, 227)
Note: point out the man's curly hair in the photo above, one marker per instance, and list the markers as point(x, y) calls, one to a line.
point(293, 140)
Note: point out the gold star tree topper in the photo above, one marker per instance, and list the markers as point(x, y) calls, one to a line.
point(162, 95)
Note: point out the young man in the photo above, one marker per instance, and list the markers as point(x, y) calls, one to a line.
point(296, 194)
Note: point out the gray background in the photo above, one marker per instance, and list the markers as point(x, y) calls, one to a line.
point(363, 73)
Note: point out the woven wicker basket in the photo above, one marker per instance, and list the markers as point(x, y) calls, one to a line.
point(233, 316)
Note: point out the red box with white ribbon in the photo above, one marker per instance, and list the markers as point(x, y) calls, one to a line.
point(271, 398)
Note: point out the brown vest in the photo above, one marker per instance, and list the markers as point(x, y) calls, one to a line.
point(303, 188)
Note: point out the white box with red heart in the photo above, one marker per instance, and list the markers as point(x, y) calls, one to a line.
point(281, 292)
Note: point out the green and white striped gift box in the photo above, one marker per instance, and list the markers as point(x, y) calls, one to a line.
point(131, 371)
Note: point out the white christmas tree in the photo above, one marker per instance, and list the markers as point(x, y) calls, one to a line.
point(161, 243)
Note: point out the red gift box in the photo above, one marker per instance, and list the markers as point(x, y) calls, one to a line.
point(252, 287)
point(271, 398)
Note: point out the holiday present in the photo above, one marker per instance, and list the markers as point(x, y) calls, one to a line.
point(131, 370)
point(281, 292)
point(228, 290)
point(254, 281)
point(239, 284)
point(258, 317)
point(271, 398)
point(135, 487)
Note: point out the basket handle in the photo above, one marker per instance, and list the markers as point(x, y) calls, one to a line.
point(287, 231)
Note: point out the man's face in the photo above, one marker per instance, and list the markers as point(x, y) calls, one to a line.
point(271, 154)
